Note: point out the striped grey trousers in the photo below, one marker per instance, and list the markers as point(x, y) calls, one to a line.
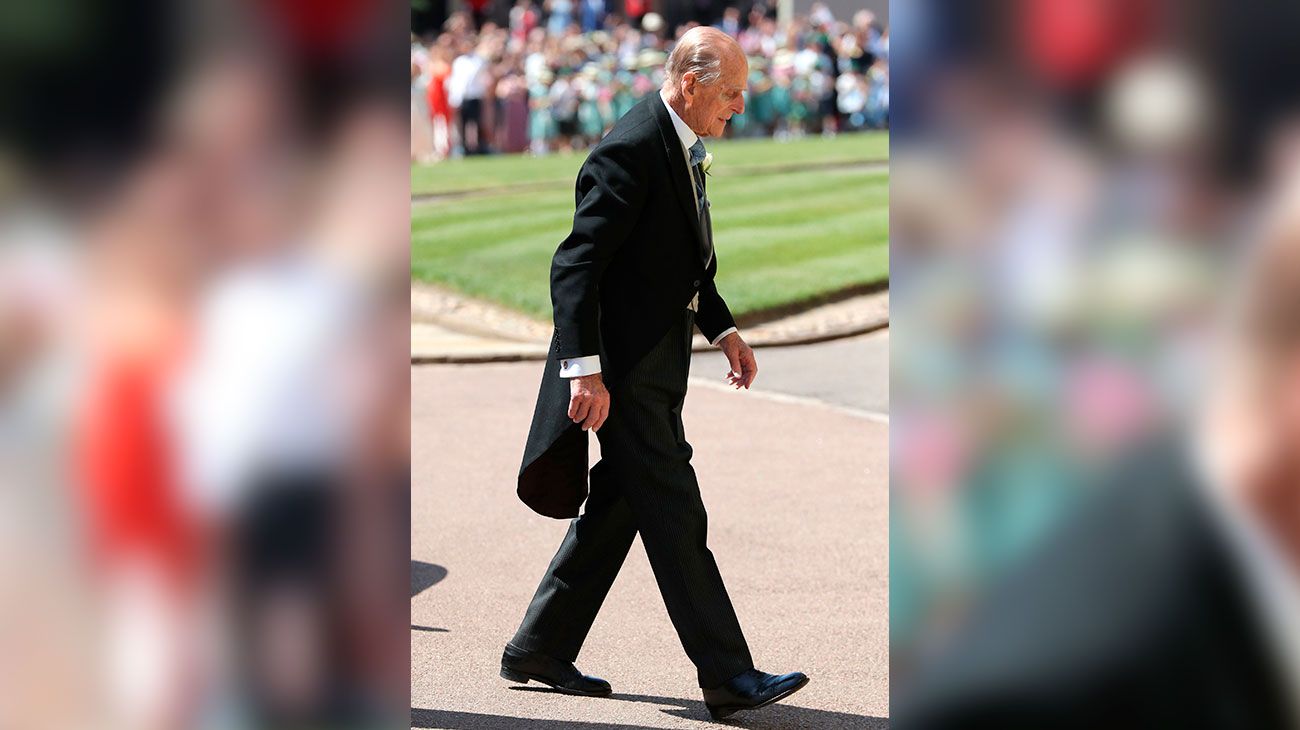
point(643, 484)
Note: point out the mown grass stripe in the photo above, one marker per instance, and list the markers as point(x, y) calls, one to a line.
point(781, 238)
point(730, 201)
point(729, 155)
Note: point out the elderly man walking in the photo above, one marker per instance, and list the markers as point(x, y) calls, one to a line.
point(628, 285)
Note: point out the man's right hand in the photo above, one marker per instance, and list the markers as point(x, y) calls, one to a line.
point(588, 401)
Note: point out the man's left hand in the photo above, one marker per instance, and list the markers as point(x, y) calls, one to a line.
point(744, 368)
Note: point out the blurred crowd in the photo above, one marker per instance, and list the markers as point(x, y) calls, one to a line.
point(203, 392)
point(1094, 359)
point(558, 75)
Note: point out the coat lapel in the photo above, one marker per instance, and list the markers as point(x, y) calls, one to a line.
point(708, 231)
point(681, 177)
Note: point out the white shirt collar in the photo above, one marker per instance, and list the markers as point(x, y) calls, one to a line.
point(684, 132)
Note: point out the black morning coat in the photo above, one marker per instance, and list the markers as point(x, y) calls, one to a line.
point(619, 281)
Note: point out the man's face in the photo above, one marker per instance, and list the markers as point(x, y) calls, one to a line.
point(709, 107)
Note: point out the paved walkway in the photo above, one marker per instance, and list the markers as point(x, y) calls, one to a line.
point(851, 373)
point(449, 328)
point(794, 474)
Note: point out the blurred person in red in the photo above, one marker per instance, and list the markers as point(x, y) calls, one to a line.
point(635, 9)
point(147, 545)
point(524, 16)
point(440, 111)
point(480, 11)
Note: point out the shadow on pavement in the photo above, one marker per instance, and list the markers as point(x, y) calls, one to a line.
point(450, 720)
point(424, 576)
point(771, 717)
point(417, 627)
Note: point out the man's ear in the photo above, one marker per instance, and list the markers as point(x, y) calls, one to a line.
point(688, 85)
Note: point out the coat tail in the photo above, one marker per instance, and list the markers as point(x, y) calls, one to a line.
point(553, 476)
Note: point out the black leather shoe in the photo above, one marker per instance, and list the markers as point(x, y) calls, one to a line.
point(750, 690)
point(518, 665)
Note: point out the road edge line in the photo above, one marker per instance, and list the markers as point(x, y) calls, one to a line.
point(803, 400)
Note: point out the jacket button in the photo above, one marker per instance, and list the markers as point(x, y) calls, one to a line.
point(695, 283)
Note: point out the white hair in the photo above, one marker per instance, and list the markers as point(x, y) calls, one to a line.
point(702, 56)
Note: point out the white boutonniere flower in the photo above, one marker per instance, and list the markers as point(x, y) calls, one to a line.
point(707, 162)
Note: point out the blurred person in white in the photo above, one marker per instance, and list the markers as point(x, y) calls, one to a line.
point(1172, 597)
point(271, 403)
point(466, 89)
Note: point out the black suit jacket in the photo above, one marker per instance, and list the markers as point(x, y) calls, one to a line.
point(619, 281)
point(1133, 616)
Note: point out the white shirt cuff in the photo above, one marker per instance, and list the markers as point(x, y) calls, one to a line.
point(725, 332)
point(573, 367)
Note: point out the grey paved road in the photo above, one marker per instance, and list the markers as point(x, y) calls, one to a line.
point(797, 497)
point(852, 372)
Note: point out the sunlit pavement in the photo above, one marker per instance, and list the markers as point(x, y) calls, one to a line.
point(794, 475)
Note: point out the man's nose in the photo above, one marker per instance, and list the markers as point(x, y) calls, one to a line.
point(739, 106)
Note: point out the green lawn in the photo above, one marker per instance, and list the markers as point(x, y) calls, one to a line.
point(781, 237)
point(730, 157)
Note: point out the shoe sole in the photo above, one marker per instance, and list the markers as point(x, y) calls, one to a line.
point(523, 678)
point(723, 711)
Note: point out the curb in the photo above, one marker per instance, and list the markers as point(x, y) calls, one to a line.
point(812, 339)
point(538, 355)
point(768, 315)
